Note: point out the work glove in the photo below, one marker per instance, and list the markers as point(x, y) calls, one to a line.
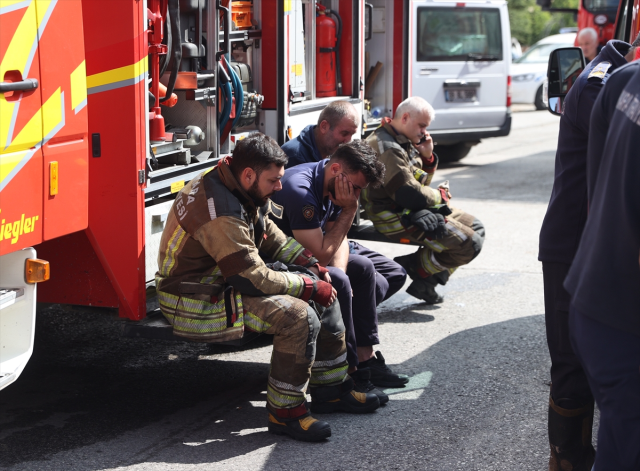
point(432, 224)
point(318, 291)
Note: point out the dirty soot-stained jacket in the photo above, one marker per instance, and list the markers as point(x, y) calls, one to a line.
point(406, 181)
point(209, 257)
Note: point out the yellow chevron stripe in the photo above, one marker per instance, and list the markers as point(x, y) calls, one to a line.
point(52, 113)
point(78, 85)
point(118, 75)
point(16, 58)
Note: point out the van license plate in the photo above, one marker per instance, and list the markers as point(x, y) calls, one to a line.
point(460, 95)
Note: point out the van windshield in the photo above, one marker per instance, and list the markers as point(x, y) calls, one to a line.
point(454, 34)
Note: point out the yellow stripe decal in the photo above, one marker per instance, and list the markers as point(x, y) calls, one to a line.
point(117, 78)
point(79, 87)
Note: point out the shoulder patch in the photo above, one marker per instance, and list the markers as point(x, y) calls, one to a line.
point(308, 211)
point(600, 70)
point(275, 209)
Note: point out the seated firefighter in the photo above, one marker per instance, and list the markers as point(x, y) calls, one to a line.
point(407, 210)
point(320, 200)
point(212, 284)
point(337, 123)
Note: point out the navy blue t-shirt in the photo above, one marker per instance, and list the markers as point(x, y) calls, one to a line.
point(305, 207)
point(567, 211)
point(303, 148)
point(605, 276)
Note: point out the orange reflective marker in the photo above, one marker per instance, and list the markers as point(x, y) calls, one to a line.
point(405, 241)
point(36, 270)
point(53, 178)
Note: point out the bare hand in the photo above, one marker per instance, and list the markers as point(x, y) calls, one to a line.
point(334, 294)
point(426, 147)
point(346, 195)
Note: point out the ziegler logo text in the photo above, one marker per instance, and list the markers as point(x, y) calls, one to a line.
point(13, 230)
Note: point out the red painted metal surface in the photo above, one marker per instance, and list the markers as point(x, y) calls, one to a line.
point(62, 55)
point(346, 48)
point(269, 59)
point(21, 190)
point(115, 40)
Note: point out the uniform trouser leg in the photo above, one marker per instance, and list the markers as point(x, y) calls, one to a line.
point(390, 276)
point(461, 244)
point(611, 361)
point(301, 337)
point(568, 380)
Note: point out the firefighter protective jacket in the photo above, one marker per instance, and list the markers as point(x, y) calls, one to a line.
point(209, 257)
point(406, 182)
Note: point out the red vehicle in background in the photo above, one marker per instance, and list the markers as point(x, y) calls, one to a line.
point(599, 15)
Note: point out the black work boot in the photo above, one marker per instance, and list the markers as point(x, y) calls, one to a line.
point(425, 289)
point(342, 398)
point(570, 437)
point(299, 427)
point(381, 374)
point(408, 262)
point(363, 384)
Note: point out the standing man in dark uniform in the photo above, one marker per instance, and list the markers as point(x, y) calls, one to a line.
point(570, 401)
point(604, 280)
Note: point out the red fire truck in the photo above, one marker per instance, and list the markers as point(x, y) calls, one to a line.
point(108, 108)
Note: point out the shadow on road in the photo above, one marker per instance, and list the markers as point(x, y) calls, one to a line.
point(474, 397)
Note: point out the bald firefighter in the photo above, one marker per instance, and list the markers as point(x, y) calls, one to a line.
point(212, 284)
point(406, 209)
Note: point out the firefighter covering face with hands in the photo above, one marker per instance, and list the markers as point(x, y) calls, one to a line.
point(407, 209)
point(212, 284)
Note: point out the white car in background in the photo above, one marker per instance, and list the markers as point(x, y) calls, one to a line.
point(529, 72)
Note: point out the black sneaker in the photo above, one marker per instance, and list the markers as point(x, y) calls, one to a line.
point(381, 374)
point(363, 384)
point(425, 289)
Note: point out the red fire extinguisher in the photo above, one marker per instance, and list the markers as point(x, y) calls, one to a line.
point(328, 81)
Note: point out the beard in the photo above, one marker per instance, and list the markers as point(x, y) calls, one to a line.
point(258, 198)
point(332, 187)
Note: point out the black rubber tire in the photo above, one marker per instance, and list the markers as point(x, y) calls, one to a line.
point(452, 153)
point(538, 101)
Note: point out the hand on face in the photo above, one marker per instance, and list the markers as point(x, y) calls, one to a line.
point(344, 195)
point(426, 147)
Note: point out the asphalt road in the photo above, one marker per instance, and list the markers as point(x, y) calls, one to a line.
point(477, 399)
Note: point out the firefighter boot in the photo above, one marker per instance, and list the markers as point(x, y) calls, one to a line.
point(342, 398)
point(298, 424)
point(422, 287)
point(570, 437)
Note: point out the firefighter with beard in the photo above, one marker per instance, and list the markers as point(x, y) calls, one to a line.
point(212, 284)
point(407, 210)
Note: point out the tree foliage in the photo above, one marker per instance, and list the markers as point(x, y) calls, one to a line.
point(530, 24)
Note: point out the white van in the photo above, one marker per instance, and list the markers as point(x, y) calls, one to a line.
point(461, 66)
point(457, 56)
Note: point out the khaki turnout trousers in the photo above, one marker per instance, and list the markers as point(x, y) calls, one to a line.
point(308, 345)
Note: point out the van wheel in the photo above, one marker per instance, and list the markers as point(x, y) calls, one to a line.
point(453, 153)
point(538, 101)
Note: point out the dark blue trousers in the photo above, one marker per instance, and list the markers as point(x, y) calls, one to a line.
point(373, 278)
point(611, 361)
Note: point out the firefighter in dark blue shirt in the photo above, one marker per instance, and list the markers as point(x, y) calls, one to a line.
point(604, 280)
point(570, 401)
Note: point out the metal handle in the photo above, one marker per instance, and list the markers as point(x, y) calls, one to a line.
point(369, 9)
point(27, 84)
point(227, 29)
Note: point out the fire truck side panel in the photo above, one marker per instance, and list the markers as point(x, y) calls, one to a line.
point(20, 130)
point(77, 275)
point(116, 65)
point(64, 91)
